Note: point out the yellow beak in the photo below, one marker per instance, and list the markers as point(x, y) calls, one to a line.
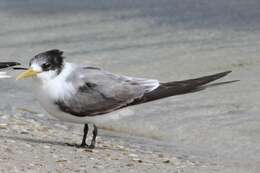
point(26, 74)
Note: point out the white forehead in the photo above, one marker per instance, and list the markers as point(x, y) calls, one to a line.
point(36, 67)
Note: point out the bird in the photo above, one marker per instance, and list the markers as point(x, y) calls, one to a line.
point(86, 95)
point(8, 66)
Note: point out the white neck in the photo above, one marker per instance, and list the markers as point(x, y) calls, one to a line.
point(56, 87)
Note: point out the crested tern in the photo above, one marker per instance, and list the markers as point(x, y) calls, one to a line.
point(85, 94)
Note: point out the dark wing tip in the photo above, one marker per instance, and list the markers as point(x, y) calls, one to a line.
point(217, 76)
point(16, 63)
point(225, 73)
point(8, 64)
point(20, 68)
point(210, 78)
point(221, 83)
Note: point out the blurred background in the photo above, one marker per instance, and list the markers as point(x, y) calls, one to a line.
point(167, 40)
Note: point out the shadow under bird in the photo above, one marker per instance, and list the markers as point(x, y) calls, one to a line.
point(86, 95)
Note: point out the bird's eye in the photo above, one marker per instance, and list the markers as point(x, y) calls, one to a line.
point(46, 65)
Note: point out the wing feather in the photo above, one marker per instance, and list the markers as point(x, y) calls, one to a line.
point(100, 92)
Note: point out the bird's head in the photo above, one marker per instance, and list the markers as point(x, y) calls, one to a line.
point(44, 66)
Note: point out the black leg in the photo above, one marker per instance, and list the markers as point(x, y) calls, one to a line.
point(83, 143)
point(93, 141)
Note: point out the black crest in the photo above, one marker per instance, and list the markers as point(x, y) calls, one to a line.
point(49, 60)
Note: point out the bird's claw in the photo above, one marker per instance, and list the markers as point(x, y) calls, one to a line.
point(81, 145)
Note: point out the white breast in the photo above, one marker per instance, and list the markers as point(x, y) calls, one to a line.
point(49, 91)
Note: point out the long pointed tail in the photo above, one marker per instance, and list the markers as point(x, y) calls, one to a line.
point(178, 87)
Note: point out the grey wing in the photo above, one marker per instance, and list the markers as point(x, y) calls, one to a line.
point(100, 92)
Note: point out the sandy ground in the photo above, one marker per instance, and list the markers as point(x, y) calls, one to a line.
point(32, 146)
point(216, 130)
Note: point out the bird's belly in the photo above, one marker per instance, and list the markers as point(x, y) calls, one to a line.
point(54, 111)
point(50, 107)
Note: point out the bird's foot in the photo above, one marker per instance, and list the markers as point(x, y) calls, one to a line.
point(91, 146)
point(83, 145)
